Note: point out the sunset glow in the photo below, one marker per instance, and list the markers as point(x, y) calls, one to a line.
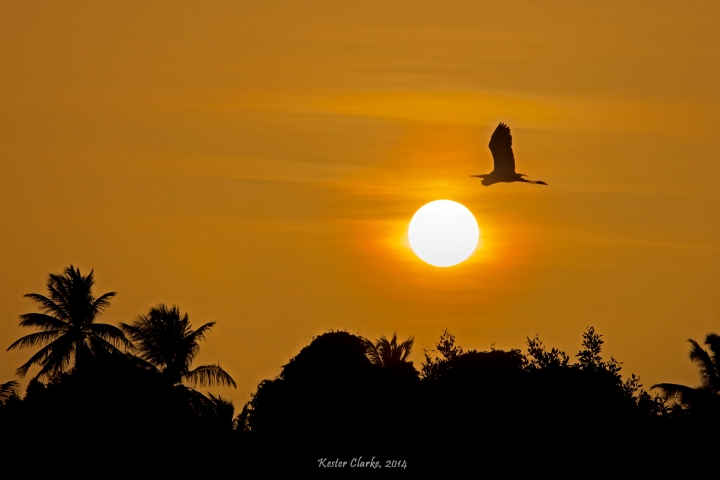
point(258, 164)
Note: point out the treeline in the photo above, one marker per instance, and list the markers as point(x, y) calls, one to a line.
point(342, 396)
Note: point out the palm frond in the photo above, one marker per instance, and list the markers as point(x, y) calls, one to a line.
point(712, 340)
point(201, 332)
point(39, 338)
point(61, 297)
point(198, 402)
point(8, 389)
point(406, 347)
point(132, 331)
point(151, 339)
point(207, 375)
point(38, 359)
point(59, 359)
point(112, 334)
point(54, 356)
point(700, 357)
point(101, 303)
point(99, 345)
point(142, 363)
point(41, 320)
point(223, 409)
point(241, 421)
point(387, 348)
point(191, 341)
point(673, 391)
point(372, 352)
point(222, 403)
point(49, 306)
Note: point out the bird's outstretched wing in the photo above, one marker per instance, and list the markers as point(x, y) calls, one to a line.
point(501, 149)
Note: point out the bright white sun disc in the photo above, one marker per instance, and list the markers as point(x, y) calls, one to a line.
point(443, 233)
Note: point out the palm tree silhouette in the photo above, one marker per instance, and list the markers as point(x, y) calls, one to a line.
point(386, 352)
point(69, 331)
point(167, 344)
point(709, 366)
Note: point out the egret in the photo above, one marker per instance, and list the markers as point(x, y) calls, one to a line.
point(503, 160)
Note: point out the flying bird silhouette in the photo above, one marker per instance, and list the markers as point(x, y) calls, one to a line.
point(503, 160)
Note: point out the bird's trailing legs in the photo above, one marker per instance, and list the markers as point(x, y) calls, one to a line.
point(492, 178)
point(534, 182)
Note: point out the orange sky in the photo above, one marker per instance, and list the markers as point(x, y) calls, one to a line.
point(257, 163)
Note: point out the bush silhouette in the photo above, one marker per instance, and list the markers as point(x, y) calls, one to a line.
point(331, 392)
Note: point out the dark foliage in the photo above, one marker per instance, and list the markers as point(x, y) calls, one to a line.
point(8, 391)
point(342, 396)
point(698, 405)
point(331, 397)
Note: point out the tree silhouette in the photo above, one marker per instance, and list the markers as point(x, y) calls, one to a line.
point(538, 358)
point(327, 387)
point(386, 352)
point(708, 394)
point(589, 358)
point(69, 332)
point(431, 367)
point(592, 387)
point(166, 343)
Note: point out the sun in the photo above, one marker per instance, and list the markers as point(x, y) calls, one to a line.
point(443, 233)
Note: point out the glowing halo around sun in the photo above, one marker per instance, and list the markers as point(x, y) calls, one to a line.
point(443, 233)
